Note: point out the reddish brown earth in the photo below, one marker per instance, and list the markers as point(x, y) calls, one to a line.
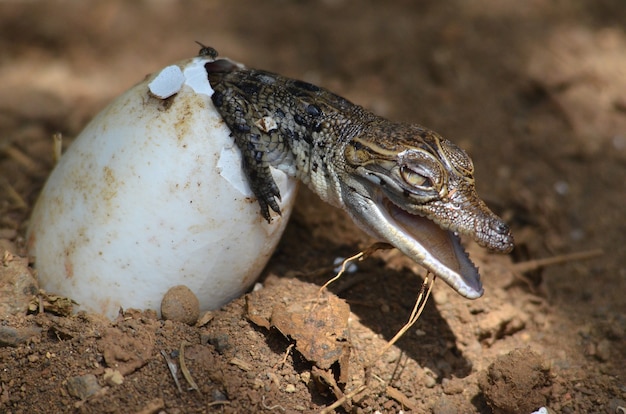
point(535, 91)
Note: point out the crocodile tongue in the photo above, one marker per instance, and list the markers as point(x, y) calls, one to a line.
point(439, 250)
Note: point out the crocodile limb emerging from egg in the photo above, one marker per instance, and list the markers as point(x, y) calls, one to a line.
point(403, 184)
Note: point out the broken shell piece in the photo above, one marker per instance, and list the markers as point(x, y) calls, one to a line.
point(167, 83)
point(266, 124)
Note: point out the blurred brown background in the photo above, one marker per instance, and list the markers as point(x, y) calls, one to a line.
point(535, 91)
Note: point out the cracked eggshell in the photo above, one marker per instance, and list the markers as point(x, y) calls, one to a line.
point(149, 196)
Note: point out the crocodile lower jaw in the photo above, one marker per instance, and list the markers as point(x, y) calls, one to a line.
point(438, 250)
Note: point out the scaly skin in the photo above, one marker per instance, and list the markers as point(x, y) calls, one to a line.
point(401, 183)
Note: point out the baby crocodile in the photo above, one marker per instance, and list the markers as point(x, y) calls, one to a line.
point(401, 183)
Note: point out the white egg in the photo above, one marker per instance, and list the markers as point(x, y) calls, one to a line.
point(152, 195)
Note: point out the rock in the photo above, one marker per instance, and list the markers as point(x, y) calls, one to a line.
point(113, 377)
point(429, 382)
point(10, 336)
point(17, 285)
point(515, 382)
point(217, 395)
point(83, 387)
point(180, 304)
point(221, 342)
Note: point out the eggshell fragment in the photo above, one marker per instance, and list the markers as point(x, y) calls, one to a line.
point(167, 83)
point(151, 195)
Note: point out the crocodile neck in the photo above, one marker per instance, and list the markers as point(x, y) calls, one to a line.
point(315, 155)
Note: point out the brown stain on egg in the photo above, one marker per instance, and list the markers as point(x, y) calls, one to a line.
point(110, 184)
point(187, 110)
point(69, 267)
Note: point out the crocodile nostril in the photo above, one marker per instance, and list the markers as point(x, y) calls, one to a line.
point(501, 228)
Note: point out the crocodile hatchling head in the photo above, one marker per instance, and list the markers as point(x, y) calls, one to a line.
point(415, 190)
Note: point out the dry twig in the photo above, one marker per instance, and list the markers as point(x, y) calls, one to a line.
point(418, 308)
point(173, 370)
point(57, 147)
point(362, 255)
point(12, 194)
point(183, 367)
point(30, 165)
point(273, 407)
point(397, 395)
point(344, 399)
point(530, 265)
point(285, 356)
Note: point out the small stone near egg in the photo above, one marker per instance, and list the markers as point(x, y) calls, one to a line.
point(180, 304)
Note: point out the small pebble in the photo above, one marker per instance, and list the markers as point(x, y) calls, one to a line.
point(180, 304)
point(305, 377)
point(452, 386)
point(429, 382)
point(440, 296)
point(221, 342)
point(10, 336)
point(218, 395)
point(113, 377)
point(83, 387)
point(561, 187)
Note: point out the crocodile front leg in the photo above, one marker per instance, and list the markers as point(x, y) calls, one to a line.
point(254, 143)
point(293, 126)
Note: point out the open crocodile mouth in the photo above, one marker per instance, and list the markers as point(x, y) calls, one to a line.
point(437, 249)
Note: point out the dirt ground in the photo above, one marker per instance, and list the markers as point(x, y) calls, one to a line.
point(535, 91)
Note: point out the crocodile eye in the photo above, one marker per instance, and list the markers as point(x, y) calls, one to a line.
point(415, 179)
